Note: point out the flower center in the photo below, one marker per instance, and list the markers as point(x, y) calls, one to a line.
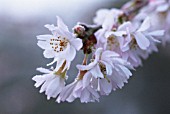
point(60, 72)
point(102, 68)
point(112, 42)
point(133, 44)
point(59, 44)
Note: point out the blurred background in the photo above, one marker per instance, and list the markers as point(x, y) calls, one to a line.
point(148, 91)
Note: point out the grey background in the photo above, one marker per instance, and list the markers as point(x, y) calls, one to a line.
point(148, 89)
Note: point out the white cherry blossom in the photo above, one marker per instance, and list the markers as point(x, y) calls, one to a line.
point(108, 70)
point(80, 88)
point(61, 45)
point(108, 19)
point(159, 13)
point(51, 83)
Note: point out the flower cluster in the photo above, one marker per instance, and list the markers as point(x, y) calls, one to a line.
point(116, 43)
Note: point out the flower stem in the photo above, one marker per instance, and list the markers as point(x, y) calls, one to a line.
point(85, 59)
point(82, 73)
point(60, 71)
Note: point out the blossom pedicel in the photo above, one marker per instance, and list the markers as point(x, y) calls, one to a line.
point(118, 41)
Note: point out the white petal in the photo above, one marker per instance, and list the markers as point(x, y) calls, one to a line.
point(109, 54)
point(145, 25)
point(125, 70)
point(86, 67)
point(125, 47)
point(39, 80)
point(154, 39)
point(46, 37)
point(96, 72)
point(100, 36)
point(92, 64)
point(66, 92)
point(54, 88)
point(44, 45)
point(116, 34)
point(77, 43)
point(85, 96)
point(62, 85)
point(163, 8)
point(61, 24)
point(93, 92)
point(111, 18)
point(86, 79)
point(70, 98)
point(106, 86)
point(49, 54)
point(119, 61)
point(47, 78)
point(98, 54)
point(141, 40)
point(157, 33)
point(100, 16)
point(125, 25)
point(51, 63)
point(50, 27)
point(109, 21)
point(43, 70)
point(117, 81)
point(94, 83)
point(77, 89)
point(67, 66)
point(71, 53)
point(59, 63)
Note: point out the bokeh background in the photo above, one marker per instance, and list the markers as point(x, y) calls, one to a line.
point(148, 91)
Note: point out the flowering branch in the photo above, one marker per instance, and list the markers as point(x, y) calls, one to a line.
point(118, 41)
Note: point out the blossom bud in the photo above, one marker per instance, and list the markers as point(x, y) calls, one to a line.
point(79, 30)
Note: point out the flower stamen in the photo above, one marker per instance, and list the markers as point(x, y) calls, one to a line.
point(59, 44)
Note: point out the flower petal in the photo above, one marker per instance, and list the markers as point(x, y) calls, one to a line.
point(96, 72)
point(44, 45)
point(145, 25)
point(66, 92)
point(125, 70)
point(49, 54)
point(61, 24)
point(86, 67)
point(50, 27)
point(109, 54)
point(94, 93)
point(59, 63)
point(100, 16)
point(157, 33)
point(47, 79)
point(39, 80)
point(98, 54)
point(77, 43)
point(71, 53)
point(162, 8)
point(141, 40)
point(54, 87)
point(85, 96)
point(44, 37)
point(125, 25)
point(106, 87)
point(43, 70)
point(86, 79)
